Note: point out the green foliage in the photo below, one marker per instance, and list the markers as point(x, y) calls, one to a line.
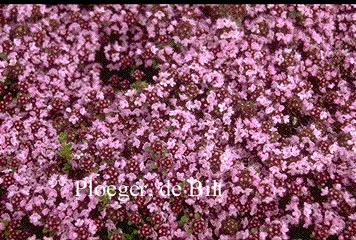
point(238, 22)
point(133, 235)
point(183, 219)
point(178, 45)
point(155, 156)
point(110, 114)
point(298, 16)
point(139, 85)
point(153, 166)
point(7, 233)
point(132, 69)
point(95, 169)
point(3, 56)
point(66, 151)
point(164, 152)
point(174, 44)
point(62, 137)
point(8, 82)
point(129, 236)
point(295, 14)
point(155, 64)
point(105, 199)
point(67, 167)
point(169, 128)
point(111, 192)
point(182, 184)
point(110, 233)
point(101, 116)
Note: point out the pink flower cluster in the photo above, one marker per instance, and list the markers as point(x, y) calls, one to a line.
point(259, 97)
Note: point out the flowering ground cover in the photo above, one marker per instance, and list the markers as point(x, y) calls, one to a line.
point(260, 98)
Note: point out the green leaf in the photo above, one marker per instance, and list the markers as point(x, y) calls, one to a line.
point(159, 45)
point(189, 231)
point(105, 199)
point(183, 219)
point(169, 128)
point(294, 14)
point(155, 156)
point(148, 219)
point(110, 162)
point(66, 151)
point(139, 84)
point(196, 215)
point(155, 64)
point(110, 233)
point(67, 167)
point(45, 230)
point(171, 43)
point(8, 82)
point(153, 166)
point(95, 169)
point(174, 44)
point(238, 22)
point(62, 137)
point(164, 172)
point(101, 116)
point(5, 222)
point(253, 230)
point(3, 56)
point(178, 45)
point(7, 233)
point(129, 236)
point(132, 68)
point(111, 192)
point(164, 152)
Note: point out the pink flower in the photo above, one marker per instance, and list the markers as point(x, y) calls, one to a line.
point(35, 219)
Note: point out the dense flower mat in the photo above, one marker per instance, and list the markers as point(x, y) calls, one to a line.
point(258, 97)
